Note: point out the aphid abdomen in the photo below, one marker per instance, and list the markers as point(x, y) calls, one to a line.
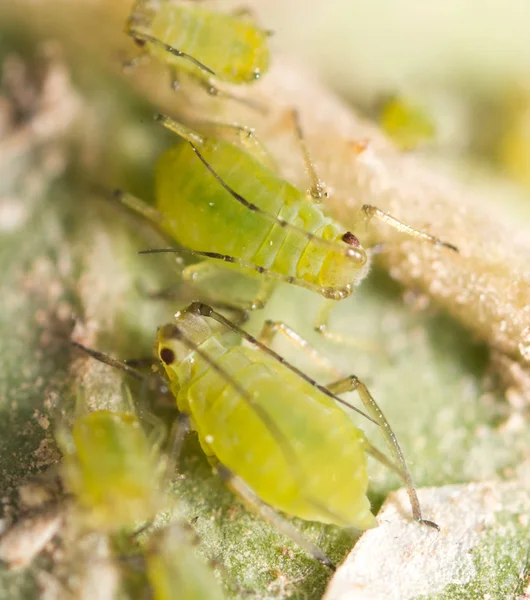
point(112, 473)
point(186, 194)
point(315, 469)
point(233, 48)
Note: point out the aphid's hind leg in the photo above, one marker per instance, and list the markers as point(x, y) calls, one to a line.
point(252, 501)
point(321, 326)
point(353, 383)
point(368, 212)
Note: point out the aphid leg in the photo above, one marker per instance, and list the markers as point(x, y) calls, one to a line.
point(138, 206)
point(173, 78)
point(139, 60)
point(247, 138)
point(263, 296)
point(252, 501)
point(383, 459)
point(317, 191)
point(368, 212)
point(146, 38)
point(245, 13)
point(201, 271)
point(207, 311)
point(176, 436)
point(321, 326)
point(212, 90)
point(353, 383)
point(271, 328)
point(205, 270)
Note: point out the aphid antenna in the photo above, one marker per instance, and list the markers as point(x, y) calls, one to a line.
point(118, 364)
point(180, 129)
point(145, 37)
point(207, 311)
point(332, 293)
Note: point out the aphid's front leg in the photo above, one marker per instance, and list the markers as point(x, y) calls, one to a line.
point(271, 328)
point(212, 90)
point(368, 212)
point(353, 383)
point(321, 326)
point(206, 270)
point(254, 503)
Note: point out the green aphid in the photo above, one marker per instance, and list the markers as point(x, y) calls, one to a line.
point(174, 570)
point(279, 440)
point(408, 125)
point(207, 45)
point(223, 201)
point(113, 469)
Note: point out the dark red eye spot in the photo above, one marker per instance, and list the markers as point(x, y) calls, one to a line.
point(167, 355)
point(350, 239)
point(139, 43)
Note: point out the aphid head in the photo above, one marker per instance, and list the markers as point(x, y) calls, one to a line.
point(177, 341)
point(344, 267)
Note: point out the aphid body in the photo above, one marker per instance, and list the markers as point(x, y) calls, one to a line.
point(231, 46)
point(174, 570)
point(408, 125)
point(295, 447)
point(315, 253)
point(112, 469)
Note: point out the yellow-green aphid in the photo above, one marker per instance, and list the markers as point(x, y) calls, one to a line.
point(277, 430)
point(407, 124)
point(175, 571)
point(113, 469)
point(206, 44)
point(219, 200)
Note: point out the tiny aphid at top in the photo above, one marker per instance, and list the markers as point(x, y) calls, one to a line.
point(206, 44)
point(220, 200)
point(113, 469)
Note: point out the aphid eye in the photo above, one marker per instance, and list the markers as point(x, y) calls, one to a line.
point(167, 356)
point(140, 43)
point(350, 239)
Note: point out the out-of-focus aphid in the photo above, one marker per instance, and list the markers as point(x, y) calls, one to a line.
point(515, 143)
point(175, 571)
point(207, 45)
point(408, 124)
point(113, 468)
